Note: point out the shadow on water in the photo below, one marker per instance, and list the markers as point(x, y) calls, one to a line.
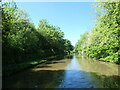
point(39, 79)
point(43, 66)
point(60, 79)
point(103, 81)
point(67, 73)
point(54, 62)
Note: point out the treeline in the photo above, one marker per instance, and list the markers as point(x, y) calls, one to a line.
point(103, 41)
point(22, 42)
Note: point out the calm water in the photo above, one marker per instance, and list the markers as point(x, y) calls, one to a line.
point(78, 72)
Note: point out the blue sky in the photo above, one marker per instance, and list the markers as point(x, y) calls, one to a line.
point(74, 18)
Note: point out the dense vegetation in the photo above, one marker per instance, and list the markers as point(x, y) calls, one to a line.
point(22, 42)
point(102, 42)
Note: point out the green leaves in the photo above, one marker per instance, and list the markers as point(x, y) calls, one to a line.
point(54, 38)
point(21, 38)
point(102, 41)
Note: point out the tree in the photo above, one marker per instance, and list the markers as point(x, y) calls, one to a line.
point(104, 37)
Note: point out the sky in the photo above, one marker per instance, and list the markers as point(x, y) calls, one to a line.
point(73, 18)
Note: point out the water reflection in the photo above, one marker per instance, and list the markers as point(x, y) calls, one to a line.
point(74, 77)
point(103, 81)
point(48, 75)
point(73, 64)
point(99, 67)
point(67, 73)
point(53, 65)
point(30, 79)
point(102, 74)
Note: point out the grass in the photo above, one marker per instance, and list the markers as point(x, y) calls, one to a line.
point(19, 67)
point(12, 69)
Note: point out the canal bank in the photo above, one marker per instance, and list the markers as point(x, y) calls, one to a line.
point(12, 69)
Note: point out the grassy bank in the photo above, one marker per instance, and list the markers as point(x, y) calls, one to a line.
point(11, 69)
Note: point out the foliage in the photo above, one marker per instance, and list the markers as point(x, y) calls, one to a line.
point(103, 40)
point(21, 39)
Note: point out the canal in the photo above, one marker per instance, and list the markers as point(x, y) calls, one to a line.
point(78, 72)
